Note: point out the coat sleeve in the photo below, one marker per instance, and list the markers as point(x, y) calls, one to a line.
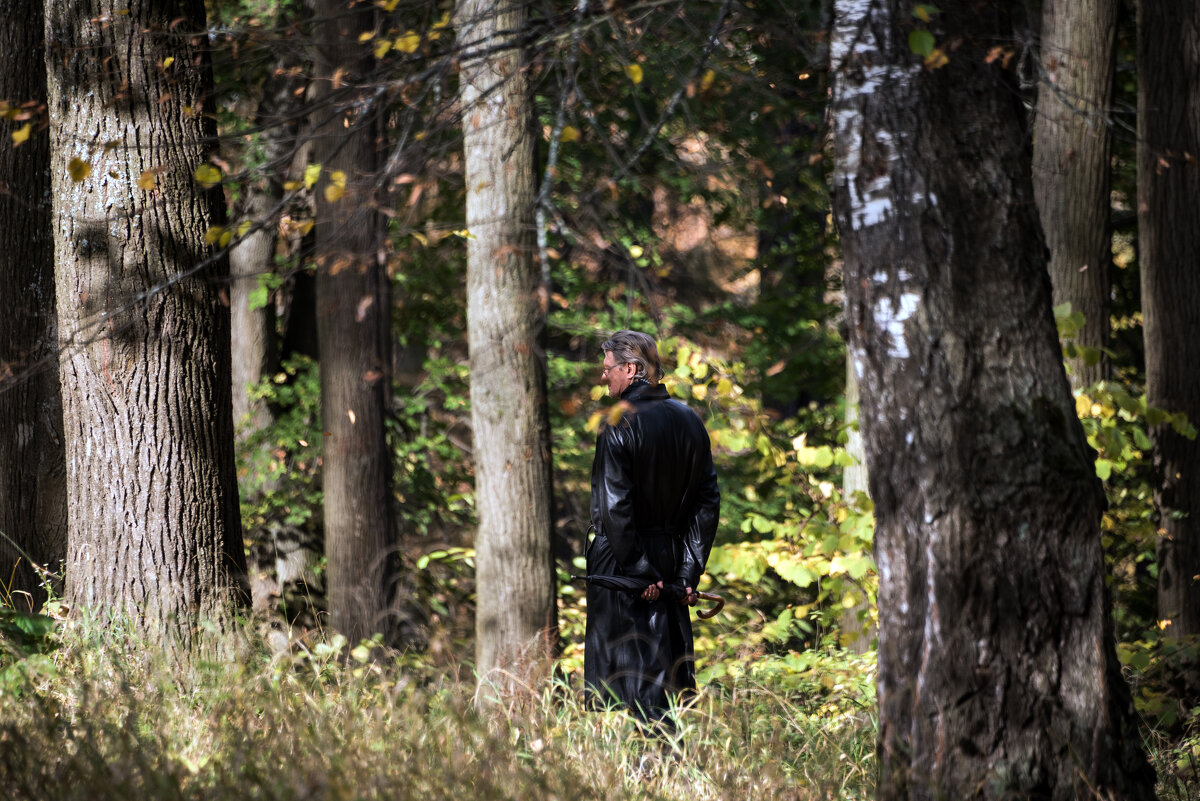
point(701, 527)
point(614, 503)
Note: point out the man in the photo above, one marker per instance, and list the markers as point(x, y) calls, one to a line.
point(655, 504)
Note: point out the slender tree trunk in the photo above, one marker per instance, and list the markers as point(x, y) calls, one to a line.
point(33, 519)
point(353, 320)
point(1169, 253)
point(152, 495)
point(515, 618)
point(255, 340)
point(997, 672)
point(1071, 170)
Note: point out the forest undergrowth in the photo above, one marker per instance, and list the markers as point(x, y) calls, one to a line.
point(98, 714)
point(95, 712)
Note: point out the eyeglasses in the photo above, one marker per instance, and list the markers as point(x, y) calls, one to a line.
point(614, 367)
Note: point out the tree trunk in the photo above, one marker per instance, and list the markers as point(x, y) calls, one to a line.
point(152, 495)
point(255, 340)
point(855, 636)
point(33, 520)
point(1169, 252)
point(515, 619)
point(353, 320)
point(997, 673)
point(1071, 170)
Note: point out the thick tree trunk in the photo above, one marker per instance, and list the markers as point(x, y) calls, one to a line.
point(515, 617)
point(1169, 253)
point(997, 673)
point(1070, 166)
point(152, 495)
point(353, 319)
point(33, 511)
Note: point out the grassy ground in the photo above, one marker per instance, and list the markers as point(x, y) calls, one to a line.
point(99, 715)
point(101, 718)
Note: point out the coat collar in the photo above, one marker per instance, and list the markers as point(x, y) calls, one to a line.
point(643, 390)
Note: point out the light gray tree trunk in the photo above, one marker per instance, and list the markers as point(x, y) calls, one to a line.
point(33, 510)
point(353, 321)
point(515, 620)
point(152, 496)
point(1169, 253)
point(997, 673)
point(1071, 150)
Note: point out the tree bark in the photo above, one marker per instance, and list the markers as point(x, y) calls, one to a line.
point(1071, 167)
point(255, 340)
point(353, 320)
point(152, 495)
point(515, 618)
point(1169, 252)
point(33, 520)
point(997, 673)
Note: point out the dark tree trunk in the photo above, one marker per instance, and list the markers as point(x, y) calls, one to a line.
point(1169, 253)
point(33, 511)
point(152, 495)
point(1070, 166)
point(353, 319)
point(997, 672)
point(515, 618)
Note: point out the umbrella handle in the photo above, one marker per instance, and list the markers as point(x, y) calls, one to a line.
point(705, 614)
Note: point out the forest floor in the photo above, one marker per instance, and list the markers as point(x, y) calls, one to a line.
point(102, 716)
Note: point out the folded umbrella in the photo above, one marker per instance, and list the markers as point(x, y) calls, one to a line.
point(667, 592)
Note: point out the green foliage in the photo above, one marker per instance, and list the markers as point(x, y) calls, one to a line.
point(280, 464)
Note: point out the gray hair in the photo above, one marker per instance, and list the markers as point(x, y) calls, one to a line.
point(638, 349)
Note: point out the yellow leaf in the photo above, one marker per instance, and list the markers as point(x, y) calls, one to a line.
point(291, 186)
point(569, 134)
point(304, 227)
point(338, 178)
point(311, 173)
point(366, 36)
point(168, 61)
point(936, 59)
point(420, 237)
point(244, 227)
point(22, 133)
point(333, 193)
point(443, 22)
point(226, 238)
point(921, 13)
point(707, 81)
point(388, 5)
point(636, 251)
point(213, 235)
point(381, 48)
point(147, 180)
point(408, 43)
point(207, 175)
point(79, 169)
point(634, 71)
point(1083, 406)
point(700, 391)
point(724, 387)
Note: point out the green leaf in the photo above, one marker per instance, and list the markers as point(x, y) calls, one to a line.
point(260, 296)
point(921, 42)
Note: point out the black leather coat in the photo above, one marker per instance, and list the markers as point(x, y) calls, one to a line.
point(655, 505)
